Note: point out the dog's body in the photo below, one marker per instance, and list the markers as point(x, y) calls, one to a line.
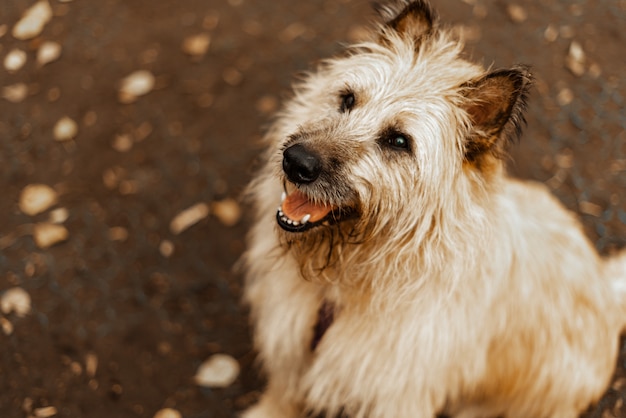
point(410, 275)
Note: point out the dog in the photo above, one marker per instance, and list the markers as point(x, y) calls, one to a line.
point(395, 270)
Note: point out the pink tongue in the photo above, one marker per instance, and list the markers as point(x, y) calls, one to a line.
point(296, 206)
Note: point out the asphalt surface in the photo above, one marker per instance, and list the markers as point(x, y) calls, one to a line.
point(125, 309)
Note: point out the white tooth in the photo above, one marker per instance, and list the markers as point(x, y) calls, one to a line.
point(283, 197)
point(305, 219)
point(295, 223)
point(289, 221)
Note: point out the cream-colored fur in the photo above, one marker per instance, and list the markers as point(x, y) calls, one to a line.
point(456, 289)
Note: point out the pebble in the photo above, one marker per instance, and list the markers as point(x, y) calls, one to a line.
point(189, 217)
point(196, 45)
point(168, 413)
point(15, 60)
point(47, 234)
point(219, 371)
point(15, 93)
point(33, 21)
point(136, 84)
point(166, 248)
point(227, 211)
point(65, 129)
point(36, 198)
point(48, 52)
point(15, 300)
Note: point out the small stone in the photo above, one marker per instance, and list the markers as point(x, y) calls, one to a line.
point(227, 211)
point(575, 60)
point(15, 300)
point(45, 412)
point(136, 84)
point(196, 45)
point(219, 371)
point(36, 198)
point(48, 52)
point(14, 60)
point(33, 21)
point(15, 93)
point(517, 13)
point(47, 234)
point(65, 129)
point(189, 217)
point(168, 413)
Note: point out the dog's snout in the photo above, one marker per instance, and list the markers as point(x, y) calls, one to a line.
point(301, 165)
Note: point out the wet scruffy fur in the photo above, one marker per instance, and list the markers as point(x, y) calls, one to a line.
point(395, 270)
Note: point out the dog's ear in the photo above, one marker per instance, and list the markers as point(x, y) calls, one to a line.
point(412, 18)
point(495, 105)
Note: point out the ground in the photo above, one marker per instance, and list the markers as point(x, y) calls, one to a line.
point(126, 308)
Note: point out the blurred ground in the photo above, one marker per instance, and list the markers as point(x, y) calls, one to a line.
point(124, 310)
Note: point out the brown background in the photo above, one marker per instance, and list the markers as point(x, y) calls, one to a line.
point(151, 320)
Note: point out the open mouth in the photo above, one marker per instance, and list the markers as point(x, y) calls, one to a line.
point(298, 213)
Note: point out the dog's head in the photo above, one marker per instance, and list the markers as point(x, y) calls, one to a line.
point(382, 138)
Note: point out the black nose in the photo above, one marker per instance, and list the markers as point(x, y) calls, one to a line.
point(301, 165)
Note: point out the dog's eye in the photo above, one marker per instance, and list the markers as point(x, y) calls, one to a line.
point(395, 140)
point(398, 141)
point(347, 102)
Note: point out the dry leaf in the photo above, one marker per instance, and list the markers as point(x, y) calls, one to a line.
point(33, 21)
point(36, 198)
point(15, 300)
point(197, 45)
point(14, 60)
point(47, 234)
point(219, 371)
point(48, 52)
point(227, 211)
point(134, 85)
point(15, 93)
point(189, 217)
point(65, 129)
point(168, 413)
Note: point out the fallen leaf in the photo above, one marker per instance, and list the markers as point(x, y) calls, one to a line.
point(48, 52)
point(189, 217)
point(33, 21)
point(14, 60)
point(168, 413)
point(136, 84)
point(227, 211)
point(196, 45)
point(15, 93)
point(15, 300)
point(65, 129)
point(36, 198)
point(47, 234)
point(219, 371)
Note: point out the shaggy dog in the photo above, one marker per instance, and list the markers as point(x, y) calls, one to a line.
point(404, 273)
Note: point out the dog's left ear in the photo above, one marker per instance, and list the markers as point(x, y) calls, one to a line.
point(411, 18)
point(495, 105)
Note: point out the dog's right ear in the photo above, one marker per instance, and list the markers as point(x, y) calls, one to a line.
point(495, 105)
point(411, 18)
